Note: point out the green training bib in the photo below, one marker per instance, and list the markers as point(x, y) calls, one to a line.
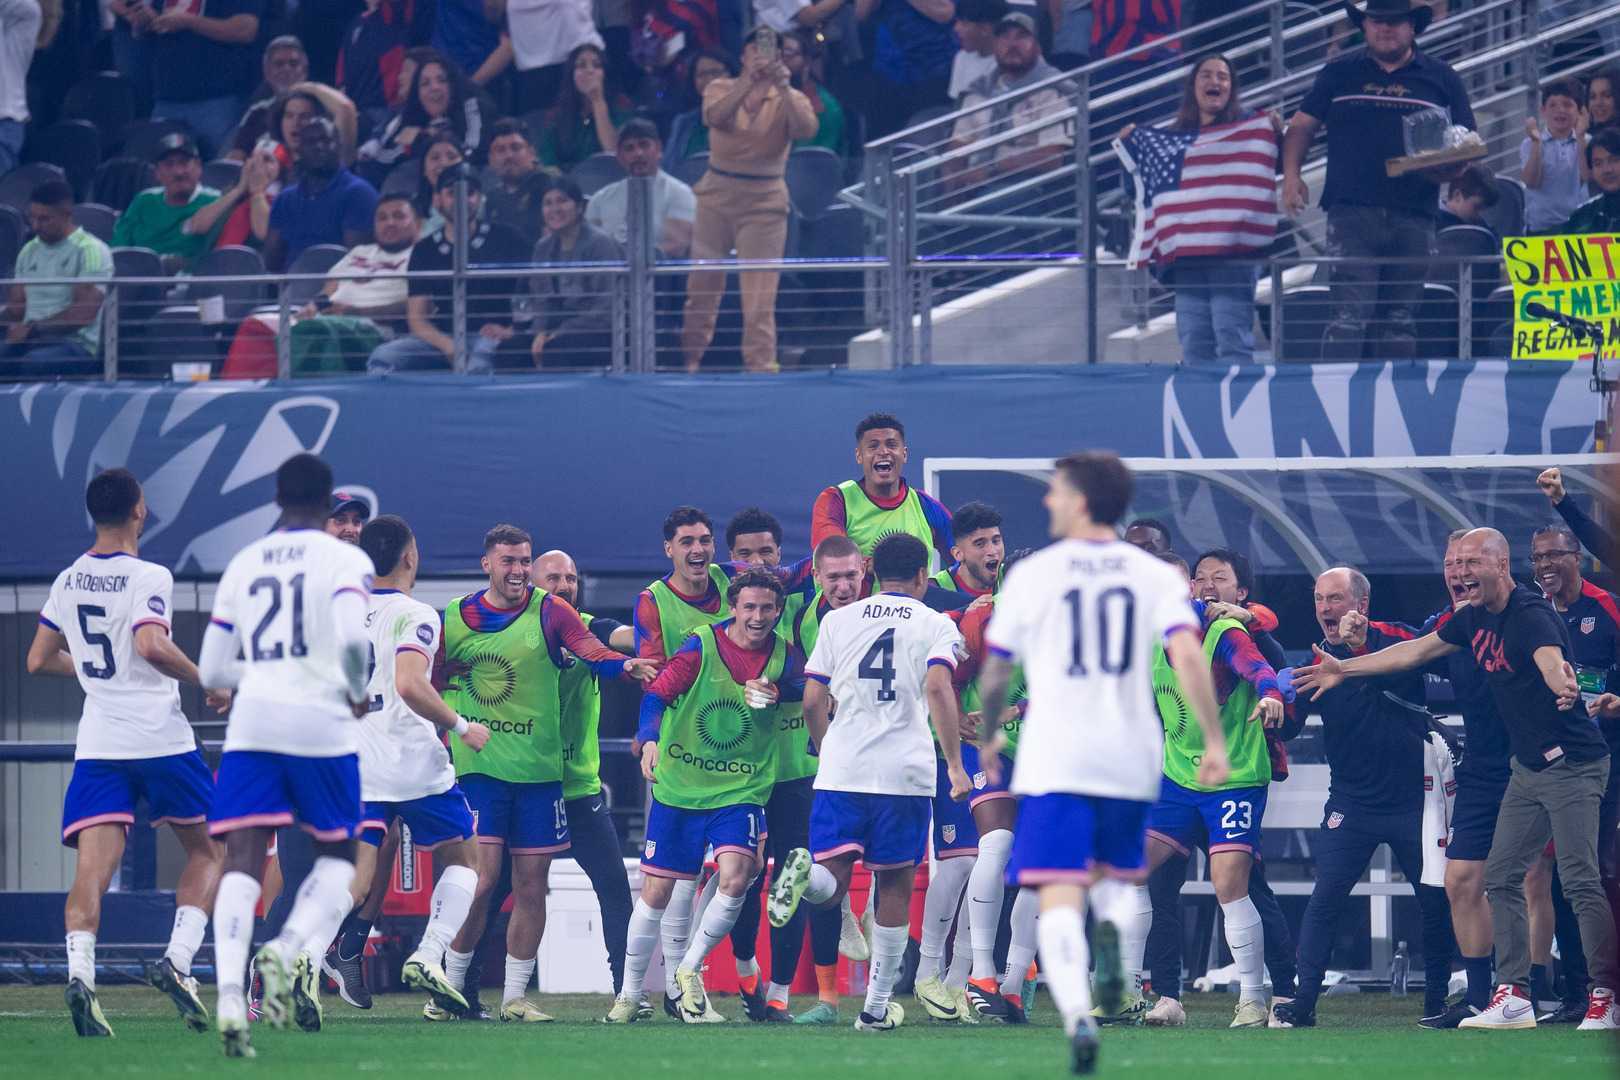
point(713, 749)
point(513, 688)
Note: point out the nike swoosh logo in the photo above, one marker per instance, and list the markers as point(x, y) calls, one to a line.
point(949, 1007)
point(976, 900)
point(596, 807)
point(1510, 1013)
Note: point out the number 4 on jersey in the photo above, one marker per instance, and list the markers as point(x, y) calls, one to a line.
point(878, 665)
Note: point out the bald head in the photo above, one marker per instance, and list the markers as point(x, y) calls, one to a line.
point(1339, 591)
point(556, 573)
point(1482, 568)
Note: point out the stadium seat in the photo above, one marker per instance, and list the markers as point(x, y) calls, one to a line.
point(13, 232)
point(690, 170)
point(119, 180)
point(312, 260)
point(854, 145)
point(1437, 322)
point(241, 297)
point(597, 172)
point(95, 219)
point(222, 174)
point(18, 184)
point(141, 138)
point(1493, 323)
point(1307, 310)
point(75, 145)
point(107, 100)
point(137, 305)
point(1507, 216)
point(932, 112)
point(814, 175)
point(403, 179)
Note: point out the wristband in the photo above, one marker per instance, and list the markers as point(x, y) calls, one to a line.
point(461, 726)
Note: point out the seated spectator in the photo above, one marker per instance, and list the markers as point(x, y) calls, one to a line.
point(975, 27)
point(429, 309)
point(1600, 214)
point(271, 164)
point(674, 207)
point(371, 66)
point(160, 218)
point(801, 55)
point(587, 115)
point(688, 134)
point(1552, 157)
point(1467, 199)
point(56, 329)
point(353, 313)
point(20, 32)
point(273, 126)
point(328, 204)
point(573, 312)
point(437, 91)
point(442, 153)
point(1018, 64)
point(285, 64)
point(742, 202)
point(514, 181)
point(203, 64)
point(1600, 102)
point(544, 34)
point(913, 50)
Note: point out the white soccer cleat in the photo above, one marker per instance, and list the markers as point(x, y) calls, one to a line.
point(791, 882)
point(625, 1011)
point(1601, 1014)
point(523, 1011)
point(423, 974)
point(1166, 1012)
point(892, 1017)
point(937, 1000)
point(433, 1014)
point(1250, 1014)
point(231, 1019)
point(1510, 1010)
point(276, 980)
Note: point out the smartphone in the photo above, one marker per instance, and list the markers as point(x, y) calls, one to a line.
point(765, 41)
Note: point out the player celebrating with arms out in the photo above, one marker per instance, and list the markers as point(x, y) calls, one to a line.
point(880, 502)
point(106, 623)
point(887, 661)
point(1084, 615)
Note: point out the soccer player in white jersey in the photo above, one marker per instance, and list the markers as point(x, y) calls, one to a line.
point(405, 770)
point(1083, 616)
point(887, 662)
point(289, 632)
point(106, 623)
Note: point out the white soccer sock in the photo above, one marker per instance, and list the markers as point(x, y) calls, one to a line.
point(1130, 909)
point(186, 937)
point(777, 994)
point(675, 929)
point(705, 898)
point(747, 967)
point(940, 904)
point(985, 891)
point(1026, 914)
point(717, 923)
point(452, 900)
point(519, 974)
point(822, 887)
point(956, 976)
point(638, 948)
point(1066, 960)
point(323, 903)
point(1247, 941)
point(888, 954)
point(81, 956)
point(233, 929)
point(456, 965)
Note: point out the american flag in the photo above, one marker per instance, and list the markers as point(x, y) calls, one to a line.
point(1210, 192)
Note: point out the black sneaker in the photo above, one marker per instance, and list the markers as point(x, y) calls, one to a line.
point(1014, 1004)
point(475, 1008)
point(88, 1020)
point(753, 1003)
point(1083, 1050)
point(348, 976)
point(1290, 1015)
point(985, 997)
point(672, 1007)
point(1450, 1018)
point(775, 1014)
point(182, 990)
point(1570, 1012)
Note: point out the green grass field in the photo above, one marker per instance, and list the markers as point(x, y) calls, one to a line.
point(1368, 1037)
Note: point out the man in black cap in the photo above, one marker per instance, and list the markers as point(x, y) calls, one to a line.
point(159, 218)
point(1364, 98)
point(349, 515)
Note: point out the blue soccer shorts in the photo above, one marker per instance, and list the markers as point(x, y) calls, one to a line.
point(530, 819)
point(955, 834)
point(677, 839)
point(1229, 820)
point(432, 819)
point(178, 789)
point(887, 831)
point(261, 789)
point(1065, 838)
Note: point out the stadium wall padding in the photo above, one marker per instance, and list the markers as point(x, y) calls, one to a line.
point(593, 463)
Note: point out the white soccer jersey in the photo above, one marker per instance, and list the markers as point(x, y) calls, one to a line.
point(401, 755)
point(131, 710)
point(277, 598)
point(874, 656)
point(1083, 616)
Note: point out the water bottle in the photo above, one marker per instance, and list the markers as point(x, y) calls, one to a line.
point(1398, 967)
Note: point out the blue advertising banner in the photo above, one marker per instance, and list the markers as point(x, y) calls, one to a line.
point(592, 463)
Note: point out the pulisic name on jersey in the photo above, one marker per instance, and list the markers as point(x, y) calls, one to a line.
point(876, 609)
point(1112, 564)
point(99, 582)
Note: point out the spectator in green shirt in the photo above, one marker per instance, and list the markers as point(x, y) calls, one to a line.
point(55, 328)
point(160, 218)
point(802, 55)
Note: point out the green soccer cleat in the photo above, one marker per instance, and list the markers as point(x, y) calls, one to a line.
point(937, 1000)
point(523, 1011)
point(430, 978)
point(182, 990)
point(306, 995)
point(1109, 984)
point(893, 1016)
point(88, 1019)
point(791, 882)
point(823, 1013)
point(1132, 1014)
point(624, 1011)
point(964, 1005)
point(276, 982)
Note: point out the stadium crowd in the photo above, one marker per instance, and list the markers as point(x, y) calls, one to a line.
point(260, 135)
point(1506, 830)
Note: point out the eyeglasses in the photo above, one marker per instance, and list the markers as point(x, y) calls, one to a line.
point(1550, 556)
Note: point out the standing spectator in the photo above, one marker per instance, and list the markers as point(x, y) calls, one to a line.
point(742, 202)
point(160, 218)
point(285, 65)
point(587, 115)
point(468, 33)
point(1552, 157)
point(1363, 98)
point(203, 64)
point(802, 55)
point(674, 207)
point(975, 28)
point(429, 308)
point(1600, 214)
point(514, 182)
point(573, 312)
point(328, 204)
point(1071, 33)
point(1117, 26)
point(132, 46)
point(56, 329)
point(1214, 293)
point(436, 92)
point(688, 134)
point(1467, 199)
point(371, 59)
point(911, 59)
point(1600, 100)
point(544, 35)
point(19, 32)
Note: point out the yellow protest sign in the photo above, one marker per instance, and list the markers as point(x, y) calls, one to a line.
point(1575, 278)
